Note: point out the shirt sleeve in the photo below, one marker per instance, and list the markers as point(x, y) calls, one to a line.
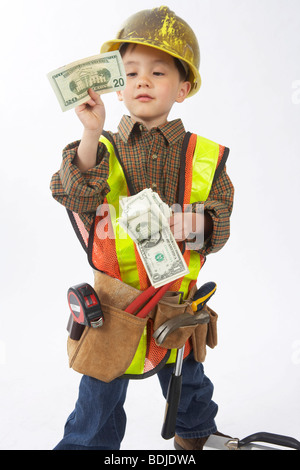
point(219, 206)
point(81, 192)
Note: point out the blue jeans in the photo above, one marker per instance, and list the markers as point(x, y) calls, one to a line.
point(98, 421)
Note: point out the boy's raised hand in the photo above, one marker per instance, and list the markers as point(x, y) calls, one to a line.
point(92, 116)
point(92, 113)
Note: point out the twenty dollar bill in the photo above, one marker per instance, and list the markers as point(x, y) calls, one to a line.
point(103, 72)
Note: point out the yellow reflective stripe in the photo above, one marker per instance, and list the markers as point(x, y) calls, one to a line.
point(194, 266)
point(116, 178)
point(172, 357)
point(126, 257)
point(137, 364)
point(124, 245)
point(205, 160)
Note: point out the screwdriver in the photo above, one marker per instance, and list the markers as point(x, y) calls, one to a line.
point(202, 295)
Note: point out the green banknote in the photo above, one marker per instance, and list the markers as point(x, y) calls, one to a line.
point(103, 72)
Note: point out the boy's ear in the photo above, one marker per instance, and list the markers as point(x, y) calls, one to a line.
point(183, 91)
point(119, 95)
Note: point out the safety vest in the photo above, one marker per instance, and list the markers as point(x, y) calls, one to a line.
point(112, 251)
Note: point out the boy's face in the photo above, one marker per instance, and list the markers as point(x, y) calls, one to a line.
point(153, 85)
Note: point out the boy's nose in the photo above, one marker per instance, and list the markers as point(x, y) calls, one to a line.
point(143, 82)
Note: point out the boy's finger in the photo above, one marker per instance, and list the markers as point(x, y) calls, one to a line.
point(171, 220)
point(91, 102)
point(176, 219)
point(95, 97)
point(80, 107)
point(176, 228)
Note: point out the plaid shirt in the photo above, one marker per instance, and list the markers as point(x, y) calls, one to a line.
point(151, 159)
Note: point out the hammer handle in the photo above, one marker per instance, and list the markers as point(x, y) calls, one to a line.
point(172, 402)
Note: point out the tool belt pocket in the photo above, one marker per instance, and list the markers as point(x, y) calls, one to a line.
point(106, 353)
point(169, 309)
point(205, 335)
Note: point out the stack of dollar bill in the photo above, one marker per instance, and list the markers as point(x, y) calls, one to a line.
point(145, 219)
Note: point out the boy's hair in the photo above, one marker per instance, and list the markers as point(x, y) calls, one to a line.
point(183, 73)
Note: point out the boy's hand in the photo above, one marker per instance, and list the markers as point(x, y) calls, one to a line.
point(183, 224)
point(92, 113)
point(92, 116)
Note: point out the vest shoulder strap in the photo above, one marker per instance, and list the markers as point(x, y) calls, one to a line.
point(189, 148)
point(109, 142)
point(223, 156)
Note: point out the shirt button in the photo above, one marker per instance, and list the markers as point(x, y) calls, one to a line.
point(154, 186)
point(154, 156)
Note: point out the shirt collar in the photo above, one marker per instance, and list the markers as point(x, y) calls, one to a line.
point(172, 131)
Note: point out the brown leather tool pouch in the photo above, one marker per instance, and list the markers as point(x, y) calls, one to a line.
point(105, 353)
point(166, 310)
point(205, 335)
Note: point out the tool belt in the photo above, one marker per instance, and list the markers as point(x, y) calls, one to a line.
point(106, 353)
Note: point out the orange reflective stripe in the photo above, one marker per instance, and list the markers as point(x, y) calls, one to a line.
point(189, 168)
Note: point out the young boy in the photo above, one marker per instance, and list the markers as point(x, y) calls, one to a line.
point(161, 58)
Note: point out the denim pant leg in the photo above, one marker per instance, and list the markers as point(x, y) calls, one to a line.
point(196, 411)
point(98, 420)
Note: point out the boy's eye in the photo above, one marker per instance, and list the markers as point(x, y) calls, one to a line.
point(158, 74)
point(131, 74)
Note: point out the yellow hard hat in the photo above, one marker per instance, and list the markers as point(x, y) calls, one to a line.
point(162, 29)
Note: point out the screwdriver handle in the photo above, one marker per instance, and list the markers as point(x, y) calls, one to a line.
point(202, 296)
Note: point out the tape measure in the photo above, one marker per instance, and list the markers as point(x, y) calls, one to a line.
point(85, 305)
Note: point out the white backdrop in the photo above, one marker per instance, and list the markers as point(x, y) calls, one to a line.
point(250, 102)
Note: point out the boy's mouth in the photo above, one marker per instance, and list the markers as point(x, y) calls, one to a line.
point(144, 98)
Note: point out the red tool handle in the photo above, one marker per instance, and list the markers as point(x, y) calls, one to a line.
point(144, 296)
point(155, 299)
point(140, 300)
